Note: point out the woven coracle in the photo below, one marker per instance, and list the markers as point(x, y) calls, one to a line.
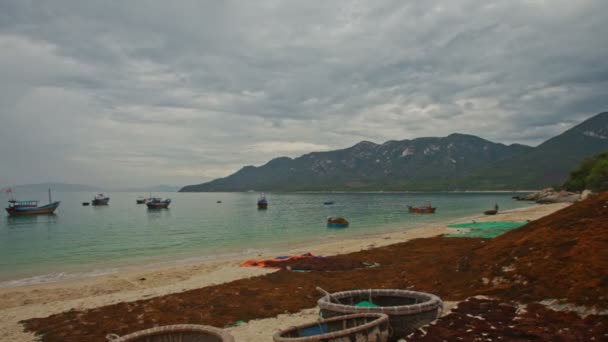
point(175, 333)
point(407, 310)
point(360, 327)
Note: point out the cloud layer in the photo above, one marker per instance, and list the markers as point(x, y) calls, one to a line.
point(148, 92)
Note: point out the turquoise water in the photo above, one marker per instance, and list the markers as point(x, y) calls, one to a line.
point(82, 239)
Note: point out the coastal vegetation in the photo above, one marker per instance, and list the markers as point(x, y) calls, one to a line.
point(592, 174)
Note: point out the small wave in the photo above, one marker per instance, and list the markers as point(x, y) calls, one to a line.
point(63, 276)
point(54, 277)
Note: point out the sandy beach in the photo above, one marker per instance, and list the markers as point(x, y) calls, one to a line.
point(42, 300)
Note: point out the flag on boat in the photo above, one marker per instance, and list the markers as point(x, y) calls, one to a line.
point(9, 190)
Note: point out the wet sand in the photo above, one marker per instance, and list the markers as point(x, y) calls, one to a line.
point(26, 302)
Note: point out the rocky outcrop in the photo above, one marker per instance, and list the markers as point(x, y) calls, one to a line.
point(550, 195)
point(560, 197)
point(585, 194)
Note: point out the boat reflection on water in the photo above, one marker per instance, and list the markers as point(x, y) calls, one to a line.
point(154, 215)
point(25, 220)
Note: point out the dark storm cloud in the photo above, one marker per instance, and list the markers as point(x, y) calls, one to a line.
point(146, 92)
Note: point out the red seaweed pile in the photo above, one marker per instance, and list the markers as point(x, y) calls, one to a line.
point(492, 320)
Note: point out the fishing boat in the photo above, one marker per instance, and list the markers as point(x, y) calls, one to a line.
point(85, 204)
point(31, 207)
point(424, 209)
point(101, 199)
point(328, 202)
point(262, 202)
point(337, 222)
point(158, 203)
point(140, 200)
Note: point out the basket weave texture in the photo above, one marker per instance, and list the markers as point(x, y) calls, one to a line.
point(407, 310)
point(176, 333)
point(361, 327)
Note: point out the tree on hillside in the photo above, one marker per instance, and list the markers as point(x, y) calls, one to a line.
point(591, 174)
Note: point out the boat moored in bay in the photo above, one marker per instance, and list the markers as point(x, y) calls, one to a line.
point(337, 222)
point(262, 202)
point(423, 209)
point(101, 199)
point(31, 207)
point(158, 203)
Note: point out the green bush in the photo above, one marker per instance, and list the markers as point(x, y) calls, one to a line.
point(592, 174)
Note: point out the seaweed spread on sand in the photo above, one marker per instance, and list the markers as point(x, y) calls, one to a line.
point(492, 320)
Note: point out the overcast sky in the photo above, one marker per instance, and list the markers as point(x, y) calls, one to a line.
point(135, 93)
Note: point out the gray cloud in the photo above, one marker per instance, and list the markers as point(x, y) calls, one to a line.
point(149, 92)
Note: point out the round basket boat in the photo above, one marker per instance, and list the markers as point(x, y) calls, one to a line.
point(360, 327)
point(177, 333)
point(407, 310)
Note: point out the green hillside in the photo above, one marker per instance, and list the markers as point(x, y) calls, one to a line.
point(455, 162)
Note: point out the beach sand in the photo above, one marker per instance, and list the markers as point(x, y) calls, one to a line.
point(42, 300)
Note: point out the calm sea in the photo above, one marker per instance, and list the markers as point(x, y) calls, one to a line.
point(80, 241)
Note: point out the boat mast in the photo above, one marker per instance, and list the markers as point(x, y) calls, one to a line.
point(50, 200)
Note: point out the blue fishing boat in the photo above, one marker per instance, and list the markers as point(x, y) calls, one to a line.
point(158, 203)
point(100, 199)
point(31, 207)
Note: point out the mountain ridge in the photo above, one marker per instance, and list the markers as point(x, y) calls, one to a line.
point(454, 162)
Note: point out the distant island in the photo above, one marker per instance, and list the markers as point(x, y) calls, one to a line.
point(57, 187)
point(455, 162)
point(156, 188)
point(67, 187)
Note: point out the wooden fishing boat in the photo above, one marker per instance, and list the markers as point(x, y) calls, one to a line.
point(427, 209)
point(158, 203)
point(31, 207)
point(262, 202)
point(337, 222)
point(101, 199)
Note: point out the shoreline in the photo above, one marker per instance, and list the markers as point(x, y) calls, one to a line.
point(41, 300)
point(270, 249)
